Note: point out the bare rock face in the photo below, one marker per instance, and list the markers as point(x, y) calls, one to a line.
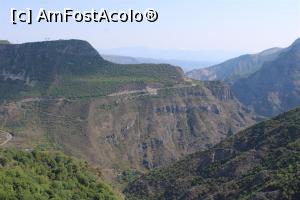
point(141, 131)
point(144, 131)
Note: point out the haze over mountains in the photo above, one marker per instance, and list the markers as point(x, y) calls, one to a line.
point(235, 68)
point(186, 65)
point(148, 52)
point(266, 82)
point(190, 59)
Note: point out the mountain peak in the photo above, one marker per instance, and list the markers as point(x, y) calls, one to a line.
point(296, 42)
point(73, 46)
point(270, 51)
point(42, 61)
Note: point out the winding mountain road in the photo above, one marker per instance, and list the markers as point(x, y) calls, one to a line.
point(7, 136)
point(148, 90)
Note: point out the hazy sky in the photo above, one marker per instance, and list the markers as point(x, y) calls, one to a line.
point(231, 25)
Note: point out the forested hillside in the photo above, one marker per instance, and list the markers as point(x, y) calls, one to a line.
point(48, 175)
point(262, 162)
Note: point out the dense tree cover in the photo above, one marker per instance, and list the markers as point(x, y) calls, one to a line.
point(44, 175)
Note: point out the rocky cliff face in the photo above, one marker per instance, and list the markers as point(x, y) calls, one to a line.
point(62, 94)
point(139, 131)
point(151, 131)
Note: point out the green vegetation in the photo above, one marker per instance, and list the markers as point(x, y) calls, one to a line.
point(43, 175)
point(129, 176)
point(4, 42)
point(106, 80)
point(73, 69)
point(112, 77)
point(106, 107)
point(262, 162)
point(10, 89)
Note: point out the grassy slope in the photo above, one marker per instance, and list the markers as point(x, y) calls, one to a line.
point(72, 69)
point(260, 162)
point(110, 78)
point(107, 79)
point(45, 175)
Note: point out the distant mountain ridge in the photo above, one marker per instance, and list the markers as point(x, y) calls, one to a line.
point(121, 59)
point(237, 67)
point(274, 88)
point(186, 65)
point(172, 54)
